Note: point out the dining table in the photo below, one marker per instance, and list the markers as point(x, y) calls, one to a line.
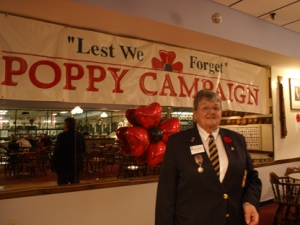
point(295, 176)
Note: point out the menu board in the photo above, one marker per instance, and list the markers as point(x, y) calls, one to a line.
point(252, 135)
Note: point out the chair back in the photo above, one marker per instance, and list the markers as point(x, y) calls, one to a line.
point(284, 192)
point(130, 167)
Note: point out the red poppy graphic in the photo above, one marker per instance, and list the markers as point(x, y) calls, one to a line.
point(298, 117)
point(167, 62)
point(227, 140)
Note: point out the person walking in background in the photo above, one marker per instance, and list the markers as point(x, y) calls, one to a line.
point(207, 175)
point(67, 160)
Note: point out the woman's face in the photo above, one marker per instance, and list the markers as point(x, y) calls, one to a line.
point(208, 114)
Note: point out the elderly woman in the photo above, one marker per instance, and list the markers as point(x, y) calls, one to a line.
point(207, 175)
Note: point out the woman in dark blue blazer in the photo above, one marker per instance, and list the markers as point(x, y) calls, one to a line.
point(190, 190)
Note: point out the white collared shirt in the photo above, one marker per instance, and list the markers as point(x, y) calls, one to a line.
point(223, 159)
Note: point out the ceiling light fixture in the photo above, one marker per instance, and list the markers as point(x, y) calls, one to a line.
point(3, 112)
point(103, 115)
point(77, 110)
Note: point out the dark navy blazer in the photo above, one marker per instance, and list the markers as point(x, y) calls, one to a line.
point(187, 197)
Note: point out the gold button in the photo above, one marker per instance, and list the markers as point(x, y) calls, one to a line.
point(225, 196)
point(227, 215)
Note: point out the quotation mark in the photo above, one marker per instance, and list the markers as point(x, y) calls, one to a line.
point(71, 39)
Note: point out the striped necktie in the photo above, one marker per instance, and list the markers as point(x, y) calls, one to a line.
point(213, 152)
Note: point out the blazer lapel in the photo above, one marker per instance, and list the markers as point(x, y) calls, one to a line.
point(228, 148)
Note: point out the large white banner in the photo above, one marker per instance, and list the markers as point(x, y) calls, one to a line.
point(48, 62)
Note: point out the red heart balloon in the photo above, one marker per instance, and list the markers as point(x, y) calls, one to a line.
point(297, 117)
point(155, 153)
point(125, 148)
point(138, 140)
point(142, 158)
point(120, 134)
point(130, 117)
point(161, 121)
point(148, 116)
point(169, 127)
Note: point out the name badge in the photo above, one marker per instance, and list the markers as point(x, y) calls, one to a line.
point(196, 149)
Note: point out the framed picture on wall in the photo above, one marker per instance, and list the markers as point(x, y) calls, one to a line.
point(295, 93)
point(4, 133)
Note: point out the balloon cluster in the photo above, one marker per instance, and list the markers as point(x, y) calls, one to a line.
point(146, 138)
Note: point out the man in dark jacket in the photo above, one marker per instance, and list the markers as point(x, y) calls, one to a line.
point(67, 160)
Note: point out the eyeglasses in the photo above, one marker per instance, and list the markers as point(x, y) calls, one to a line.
point(214, 108)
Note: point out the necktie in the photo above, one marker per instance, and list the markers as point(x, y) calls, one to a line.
point(213, 152)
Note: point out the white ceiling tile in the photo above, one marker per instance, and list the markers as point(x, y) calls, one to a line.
point(287, 11)
point(259, 7)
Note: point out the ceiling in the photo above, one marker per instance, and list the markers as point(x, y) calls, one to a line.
point(284, 13)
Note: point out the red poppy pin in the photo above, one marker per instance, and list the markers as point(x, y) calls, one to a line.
point(227, 140)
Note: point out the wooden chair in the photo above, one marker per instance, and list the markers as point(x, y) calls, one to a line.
point(42, 162)
point(129, 167)
point(110, 156)
point(287, 196)
point(95, 161)
point(26, 164)
point(4, 162)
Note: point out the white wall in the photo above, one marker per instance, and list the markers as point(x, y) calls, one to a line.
point(130, 205)
point(288, 147)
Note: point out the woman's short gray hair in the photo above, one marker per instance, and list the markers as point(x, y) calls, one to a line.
point(210, 95)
